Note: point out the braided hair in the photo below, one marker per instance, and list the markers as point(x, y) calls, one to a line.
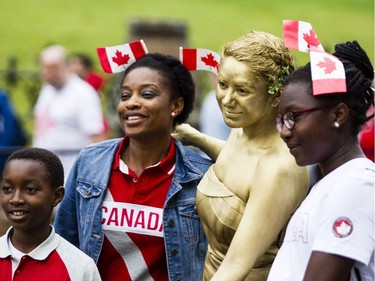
point(359, 72)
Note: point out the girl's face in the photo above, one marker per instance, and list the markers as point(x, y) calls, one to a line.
point(145, 107)
point(241, 95)
point(311, 140)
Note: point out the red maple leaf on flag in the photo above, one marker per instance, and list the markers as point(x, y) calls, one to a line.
point(311, 38)
point(328, 64)
point(120, 59)
point(210, 60)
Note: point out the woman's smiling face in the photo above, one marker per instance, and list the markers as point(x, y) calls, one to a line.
point(145, 104)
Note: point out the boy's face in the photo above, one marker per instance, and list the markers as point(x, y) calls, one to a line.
point(26, 195)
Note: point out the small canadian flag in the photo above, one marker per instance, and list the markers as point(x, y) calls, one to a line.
point(299, 35)
point(327, 73)
point(117, 58)
point(200, 59)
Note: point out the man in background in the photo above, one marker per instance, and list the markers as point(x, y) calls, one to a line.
point(68, 112)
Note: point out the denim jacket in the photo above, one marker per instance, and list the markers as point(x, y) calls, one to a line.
point(80, 213)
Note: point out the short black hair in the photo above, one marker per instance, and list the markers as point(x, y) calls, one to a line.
point(359, 72)
point(52, 163)
point(178, 77)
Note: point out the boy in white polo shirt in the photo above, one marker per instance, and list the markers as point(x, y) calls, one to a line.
point(32, 186)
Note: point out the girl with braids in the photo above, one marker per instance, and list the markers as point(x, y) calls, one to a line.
point(130, 202)
point(247, 197)
point(331, 235)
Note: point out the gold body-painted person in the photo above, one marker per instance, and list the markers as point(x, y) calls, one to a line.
point(247, 197)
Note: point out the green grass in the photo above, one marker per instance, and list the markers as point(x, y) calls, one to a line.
point(83, 25)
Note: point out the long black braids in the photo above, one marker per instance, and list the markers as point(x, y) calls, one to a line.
point(359, 78)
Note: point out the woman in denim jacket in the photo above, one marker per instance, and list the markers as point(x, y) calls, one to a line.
point(130, 202)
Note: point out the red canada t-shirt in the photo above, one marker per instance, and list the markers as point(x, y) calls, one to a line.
point(132, 221)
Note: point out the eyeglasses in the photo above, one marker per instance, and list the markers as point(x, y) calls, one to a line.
point(289, 118)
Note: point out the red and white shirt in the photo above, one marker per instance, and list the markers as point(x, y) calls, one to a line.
point(132, 220)
point(55, 259)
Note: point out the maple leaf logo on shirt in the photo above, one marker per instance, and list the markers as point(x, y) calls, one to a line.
point(342, 227)
point(120, 59)
point(328, 64)
point(209, 60)
point(311, 38)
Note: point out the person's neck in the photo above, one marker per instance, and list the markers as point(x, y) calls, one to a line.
point(264, 133)
point(341, 156)
point(139, 155)
point(26, 240)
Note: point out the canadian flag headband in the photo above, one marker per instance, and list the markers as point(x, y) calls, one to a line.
point(327, 71)
point(117, 58)
point(200, 59)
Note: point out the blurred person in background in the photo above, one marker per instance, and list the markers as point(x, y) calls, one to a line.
point(12, 134)
point(82, 65)
point(366, 137)
point(68, 113)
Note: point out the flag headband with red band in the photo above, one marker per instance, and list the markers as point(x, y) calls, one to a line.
point(200, 59)
point(117, 58)
point(327, 71)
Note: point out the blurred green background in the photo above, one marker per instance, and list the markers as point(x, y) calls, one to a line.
point(26, 26)
point(83, 25)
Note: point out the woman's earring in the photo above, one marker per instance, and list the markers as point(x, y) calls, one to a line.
point(336, 125)
point(173, 114)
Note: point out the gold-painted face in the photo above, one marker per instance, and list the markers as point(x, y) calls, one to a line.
point(242, 95)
